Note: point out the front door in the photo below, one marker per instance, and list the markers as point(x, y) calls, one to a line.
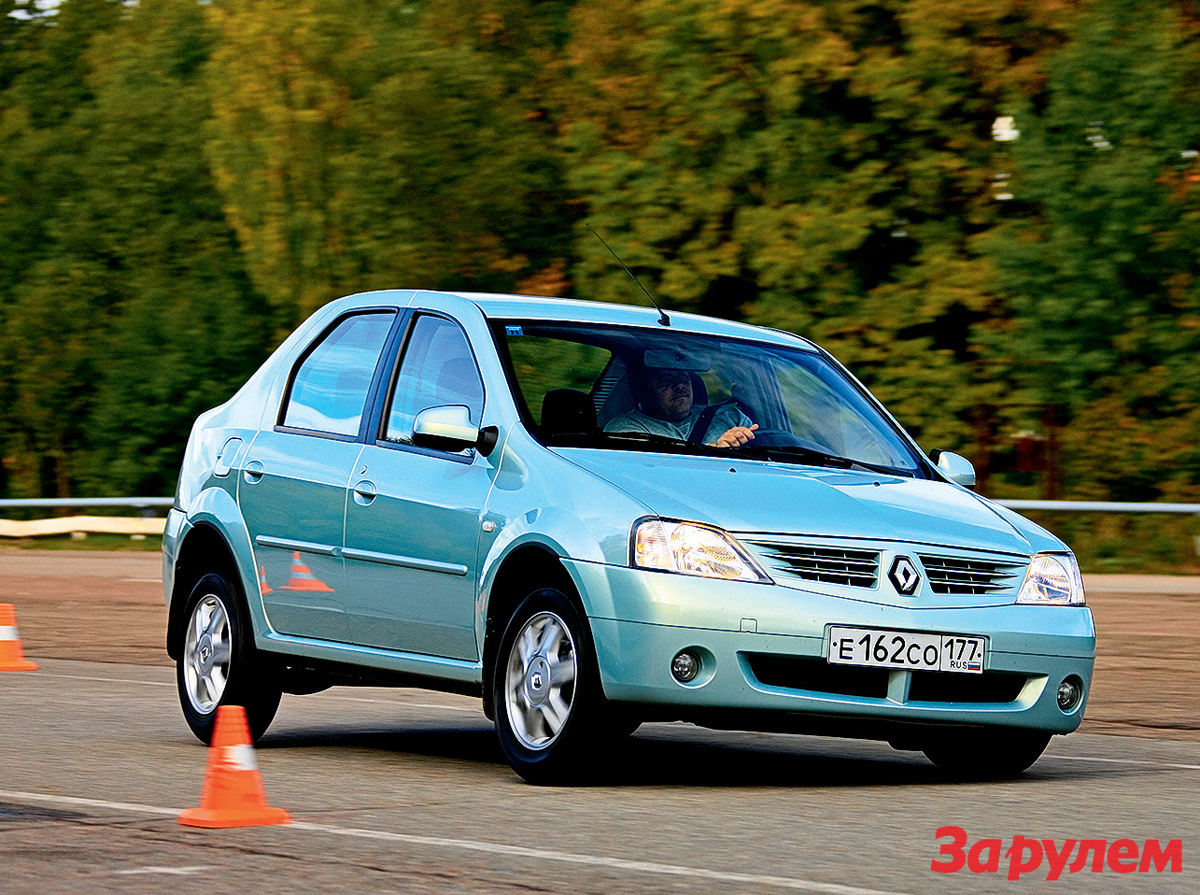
point(413, 514)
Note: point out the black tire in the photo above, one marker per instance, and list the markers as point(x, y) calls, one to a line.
point(992, 754)
point(218, 664)
point(621, 723)
point(550, 710)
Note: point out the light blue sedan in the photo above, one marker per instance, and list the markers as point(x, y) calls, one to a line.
point(592, 516)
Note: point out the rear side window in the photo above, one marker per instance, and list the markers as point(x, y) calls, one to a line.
point(329, 389)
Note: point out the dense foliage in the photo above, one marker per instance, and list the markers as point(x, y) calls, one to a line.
point(182, 182)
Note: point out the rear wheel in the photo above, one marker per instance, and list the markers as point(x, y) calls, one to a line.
point(547, 696)
point(987, 754)
point(218, 664)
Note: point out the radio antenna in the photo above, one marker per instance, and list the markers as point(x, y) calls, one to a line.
point(663, 319)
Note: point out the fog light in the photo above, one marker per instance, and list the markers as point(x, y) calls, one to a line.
point(1070, 692)
point(685, 666)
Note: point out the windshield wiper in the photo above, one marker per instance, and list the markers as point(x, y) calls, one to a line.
point(773, 451)
point(819, 458)
point(670, 444)
point(769, 452)
point(653, 438)
point(885, 470)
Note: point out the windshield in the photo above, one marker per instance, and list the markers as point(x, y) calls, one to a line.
point(625, 388)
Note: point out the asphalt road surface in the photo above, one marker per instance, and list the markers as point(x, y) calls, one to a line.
point(405, 791)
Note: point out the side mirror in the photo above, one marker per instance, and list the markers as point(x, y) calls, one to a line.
point(954, 467)
point(449, 428)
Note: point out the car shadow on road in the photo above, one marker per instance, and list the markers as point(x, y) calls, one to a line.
point(475, 743)
point(802, 763)
point(681, 755)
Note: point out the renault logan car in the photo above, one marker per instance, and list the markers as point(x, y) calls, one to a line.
point(592, 516)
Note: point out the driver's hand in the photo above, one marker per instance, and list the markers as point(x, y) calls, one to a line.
point(735, 437)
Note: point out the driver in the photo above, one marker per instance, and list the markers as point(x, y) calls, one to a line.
point(664, 395)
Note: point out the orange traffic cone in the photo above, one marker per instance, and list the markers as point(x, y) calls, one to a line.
point(263, 587)
point(303, 578)
point(233, 794)
point(11, 656)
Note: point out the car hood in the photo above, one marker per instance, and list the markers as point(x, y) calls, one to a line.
point(757, 497)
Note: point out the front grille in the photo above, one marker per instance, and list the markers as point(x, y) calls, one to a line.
point(956, 575)
point(831, 565)
point(818, 676)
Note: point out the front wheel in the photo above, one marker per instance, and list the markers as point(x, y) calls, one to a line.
point(218, 664)
point(987, 754)
point(548, 701)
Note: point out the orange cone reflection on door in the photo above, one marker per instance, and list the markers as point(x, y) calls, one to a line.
point(303, 578)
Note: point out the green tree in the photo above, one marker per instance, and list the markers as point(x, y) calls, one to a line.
point(356, 147)
point(821, 167)
point(44, 366)
point(281, 83)
point(1099, 258)
point(188, 327)
point(453, 179)
point(133, 313)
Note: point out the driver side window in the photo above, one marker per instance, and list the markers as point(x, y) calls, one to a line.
point(438, 368)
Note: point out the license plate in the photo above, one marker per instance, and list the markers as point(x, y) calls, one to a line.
point(906, 650)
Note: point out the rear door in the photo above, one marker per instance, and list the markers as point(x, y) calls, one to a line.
point(294, 478)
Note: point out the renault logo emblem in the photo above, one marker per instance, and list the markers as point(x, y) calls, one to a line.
point(904, 576)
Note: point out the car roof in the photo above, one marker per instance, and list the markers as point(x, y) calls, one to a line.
point(543, 308)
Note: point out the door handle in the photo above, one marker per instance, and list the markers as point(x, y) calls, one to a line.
point(253, 473)
point(365, 492)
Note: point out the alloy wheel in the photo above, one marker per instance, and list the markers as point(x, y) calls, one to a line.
point(207, 651)
point(539, 681)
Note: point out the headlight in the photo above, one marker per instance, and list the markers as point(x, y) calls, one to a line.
point(692, 549)
point(1053, 579)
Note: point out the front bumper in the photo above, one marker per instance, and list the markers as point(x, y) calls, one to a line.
point(763, 653)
